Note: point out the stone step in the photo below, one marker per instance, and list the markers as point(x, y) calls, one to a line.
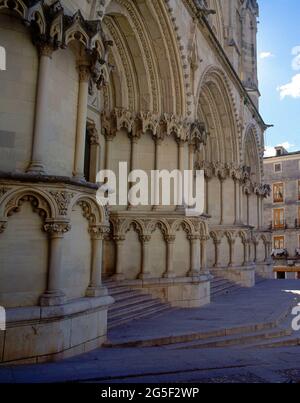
point(131, 310)
point(172, 341)
point(287, 341)
point(259, 279)
point(126, 295)
point(236, 340)
point(154, 312)
point(221, 284)
point(219, 280)
point(129, 301)
point(120, 292)
point(224, 290)
point(130, 304)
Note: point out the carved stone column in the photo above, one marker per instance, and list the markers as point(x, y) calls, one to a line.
point(109, 138)
point(95, 152)
point(255, 244)
point(237, 202)
point(120, 243)
point(84, 78)
point(134, 137)
point(247, 252)
point(181, 144)
point(231, 252)
point(170, 240)
point(248, 208)
point(54, 295)
point(195, 256)
point(39, 146)
point(96, 288)
point(158, 142)
point(242, 207)
point(221, 179)
point(217, 252)
point(204, 268)
point(145, 272)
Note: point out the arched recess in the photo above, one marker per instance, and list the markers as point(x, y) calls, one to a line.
point(216, 20)
point(217, 110)
point(24, 247)
point(251, 156)
point(17, 88)
point(85, 213)
point(149, 75)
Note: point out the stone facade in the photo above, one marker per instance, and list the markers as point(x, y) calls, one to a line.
point(159, 85)
point(282, 211)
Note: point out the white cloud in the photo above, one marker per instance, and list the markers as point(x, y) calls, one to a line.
point(296, 50)
point(271, 152)
point(266, 55)
point(291, 89)
point(296, 59)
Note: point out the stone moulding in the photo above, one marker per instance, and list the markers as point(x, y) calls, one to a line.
point(27, 338)
point(161, 126)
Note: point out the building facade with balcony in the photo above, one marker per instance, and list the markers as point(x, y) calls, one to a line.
point(282, 211)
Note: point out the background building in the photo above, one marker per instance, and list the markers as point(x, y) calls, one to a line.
point(160, 85)
point(282, 211)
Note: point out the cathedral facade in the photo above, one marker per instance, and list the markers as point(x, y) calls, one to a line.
point(161, 85)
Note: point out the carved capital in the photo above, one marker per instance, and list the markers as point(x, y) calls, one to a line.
point(145, 238)
point(99, 232)
point(45, 49)
point(170, 238)
point(119, 238)
point(57, 229)
point(3, 225)
point(84, 73)
point(194, 237)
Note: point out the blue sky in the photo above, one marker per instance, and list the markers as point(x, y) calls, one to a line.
point(279, 71)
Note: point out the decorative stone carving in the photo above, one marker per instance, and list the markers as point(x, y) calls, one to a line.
point(99, 231)
point(3, 191)
point(57, 228)
point(63, 200)
point(53, 27)
point(93, 134)
point(3, 226)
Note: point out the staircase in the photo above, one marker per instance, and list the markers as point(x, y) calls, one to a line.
point(131, 305)
point(221, 286)
point(259, 279)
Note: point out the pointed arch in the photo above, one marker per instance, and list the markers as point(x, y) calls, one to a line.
point(216, 107)
point(149, 76)
point(252, 156)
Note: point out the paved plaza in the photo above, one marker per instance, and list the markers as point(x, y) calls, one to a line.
point(173, 346)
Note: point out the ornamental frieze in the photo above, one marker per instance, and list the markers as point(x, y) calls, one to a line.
point(53, 27)
point(138, 124)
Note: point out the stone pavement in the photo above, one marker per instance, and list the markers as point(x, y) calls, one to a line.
point(166, 363)
point(264, 303)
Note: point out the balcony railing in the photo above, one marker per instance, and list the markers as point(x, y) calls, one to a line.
point(274, 225)
point(278, 200)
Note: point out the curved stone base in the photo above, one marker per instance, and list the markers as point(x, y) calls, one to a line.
point(42, 334)
point(241, 275)
point(183, 292)
point(266, 270)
